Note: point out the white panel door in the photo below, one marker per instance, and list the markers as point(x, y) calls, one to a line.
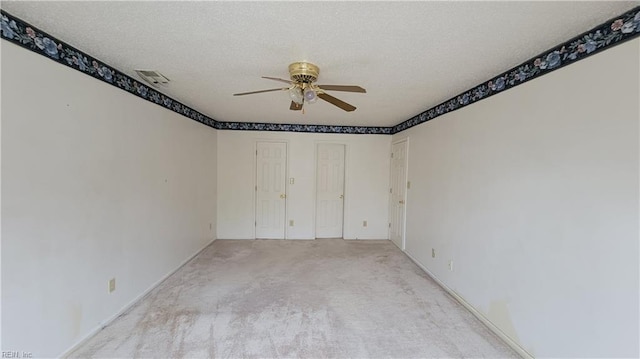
point(271, 171)
point(330, 191)
point(398, 192)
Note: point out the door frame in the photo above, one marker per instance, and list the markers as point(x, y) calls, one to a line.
point(406, 173)
point(316, 143)
point(255, 183)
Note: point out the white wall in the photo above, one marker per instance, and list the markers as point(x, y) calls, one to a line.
point(96, 184)
point(366, 186)
point(533, 193)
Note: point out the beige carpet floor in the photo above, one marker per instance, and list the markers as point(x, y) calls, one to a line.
point(297, 299)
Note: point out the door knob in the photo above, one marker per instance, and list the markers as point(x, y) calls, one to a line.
point(401, 202)
point(341, 196)
point(283, 196)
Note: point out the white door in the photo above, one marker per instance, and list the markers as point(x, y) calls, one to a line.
point(330, 191)
point(398, 192)
point(271, 167)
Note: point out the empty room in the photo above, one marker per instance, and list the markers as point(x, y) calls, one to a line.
point(220, 179)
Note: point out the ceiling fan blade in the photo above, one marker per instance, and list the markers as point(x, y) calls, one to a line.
point(343, 88)
point(277, 79)
point(252, 92)
point(295, 106)
point(334, 101)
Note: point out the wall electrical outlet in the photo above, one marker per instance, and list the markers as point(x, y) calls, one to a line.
point(210, 225)
point(292, 180)
point(433, 253)
point(291, 223)
point(112, 285)
point(451, 265)
point(364, 223)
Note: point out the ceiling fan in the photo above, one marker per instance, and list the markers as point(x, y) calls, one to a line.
point(303, 89)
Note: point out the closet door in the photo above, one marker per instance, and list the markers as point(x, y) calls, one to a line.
point(271, 171)
point(330, 191)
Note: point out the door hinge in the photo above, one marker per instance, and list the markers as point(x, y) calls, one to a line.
point(389, 224)
point(391, 154)
point(256, 188)
point(390, 190)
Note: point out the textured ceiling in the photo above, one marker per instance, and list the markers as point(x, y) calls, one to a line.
point(409, 56)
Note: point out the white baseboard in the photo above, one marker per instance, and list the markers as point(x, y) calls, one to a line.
point(510, 342)
point(237, 239)
point(130, 304)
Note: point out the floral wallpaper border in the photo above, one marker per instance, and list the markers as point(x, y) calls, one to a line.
point(253, 126)
point(615, 31)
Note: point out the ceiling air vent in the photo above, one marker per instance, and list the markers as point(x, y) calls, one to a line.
point(153, 77)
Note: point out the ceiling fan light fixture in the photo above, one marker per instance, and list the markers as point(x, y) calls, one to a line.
point(310, 95)
point(296, 95)
point(302, 88)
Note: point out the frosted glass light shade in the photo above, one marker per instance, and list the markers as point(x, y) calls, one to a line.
point(296, 95)
point(310, 96)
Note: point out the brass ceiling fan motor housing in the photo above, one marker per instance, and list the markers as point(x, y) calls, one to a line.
point(304, 72)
